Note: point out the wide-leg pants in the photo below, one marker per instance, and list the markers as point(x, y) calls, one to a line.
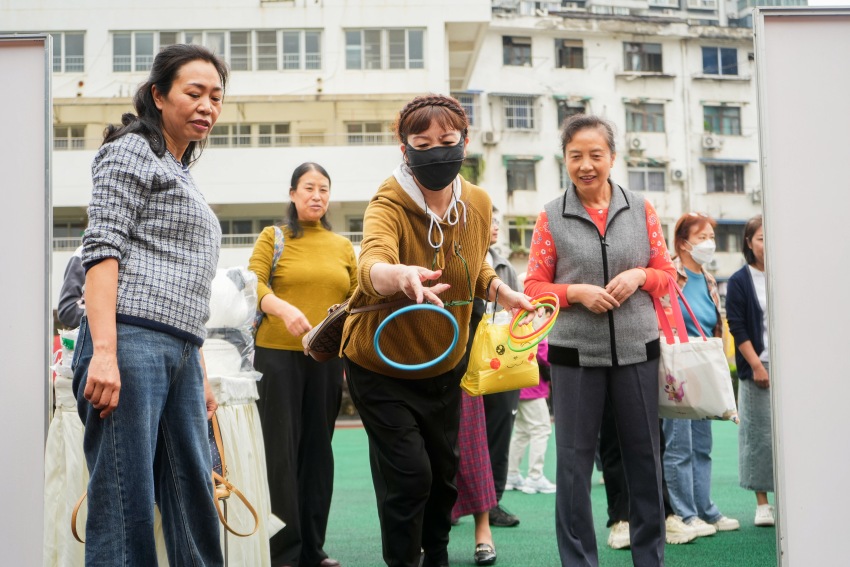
point(579, 401)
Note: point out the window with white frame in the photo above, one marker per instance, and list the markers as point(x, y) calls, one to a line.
point(642, 57)
point(133, 51)
point(267, 50)
point(240, 50)
point(519, 112)
point(646, 179)
point(469, 103)
point(724, 178)
point(567, 109)
point(263, 50)
point(664, 3)
point(702, 4)
point(302, 49)
point(68, 52)
point(69, 137)
point(563, 175)
point(385, 49)
point(720, 60)
point(230, 135)
point(520, 232)
point(521, 175)
point(724, 120)
point(729, 236)
point(237, 226)
point(569, 54)
point(516, 50)
point(645, 117)
point(273, 135)
point(367, 133)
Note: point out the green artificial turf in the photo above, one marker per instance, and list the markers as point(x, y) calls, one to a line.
point(354, 537)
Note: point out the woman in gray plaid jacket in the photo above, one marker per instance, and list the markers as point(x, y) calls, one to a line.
point(150, 252)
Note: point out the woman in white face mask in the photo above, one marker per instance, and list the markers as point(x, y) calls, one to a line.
point(687, 451)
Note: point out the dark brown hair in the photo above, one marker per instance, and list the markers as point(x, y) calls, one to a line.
point(147, 121)
point(291, 220)
point(418, 115)
point(577, 122)
point(750, 230)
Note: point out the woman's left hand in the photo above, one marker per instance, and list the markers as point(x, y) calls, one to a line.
point(209, 398)
point(624, 284)
point(516, 301)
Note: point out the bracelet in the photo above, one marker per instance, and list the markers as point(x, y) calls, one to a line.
point(496, 294)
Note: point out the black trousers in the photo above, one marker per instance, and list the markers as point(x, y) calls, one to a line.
point(616, 488)
point(298, 405)
point(579, 397)
point(412, 427)
point(500, 412)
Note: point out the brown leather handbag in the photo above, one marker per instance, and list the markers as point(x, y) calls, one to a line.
point(325, 339)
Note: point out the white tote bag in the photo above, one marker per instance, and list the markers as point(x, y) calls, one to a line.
point(693, 375)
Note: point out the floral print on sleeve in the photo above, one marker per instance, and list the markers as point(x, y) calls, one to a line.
point(542, 259)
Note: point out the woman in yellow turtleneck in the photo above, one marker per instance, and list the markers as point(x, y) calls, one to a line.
point(299, 397)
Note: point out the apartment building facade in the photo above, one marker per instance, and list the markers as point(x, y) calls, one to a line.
point(322, 80)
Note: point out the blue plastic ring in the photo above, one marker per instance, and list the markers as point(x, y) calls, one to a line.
point(402, 311)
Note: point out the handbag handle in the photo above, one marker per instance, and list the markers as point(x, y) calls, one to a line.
point(222, 488)
point(675, 293)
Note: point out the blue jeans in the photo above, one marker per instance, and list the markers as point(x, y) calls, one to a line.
point(153, 448)
point(687, 468)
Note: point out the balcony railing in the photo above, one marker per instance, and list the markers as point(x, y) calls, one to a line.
point(257, 140)
point(68, 244)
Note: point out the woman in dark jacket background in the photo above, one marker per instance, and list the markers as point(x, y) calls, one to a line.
point(747, 313)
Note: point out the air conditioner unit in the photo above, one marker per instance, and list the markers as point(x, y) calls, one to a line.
point(488, 138)
point(678, 174)
point(711, 142)
point(756, 195)
point(636, 143)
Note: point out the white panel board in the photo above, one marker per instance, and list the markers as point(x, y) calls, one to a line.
point(803, 59)
point(24, 287)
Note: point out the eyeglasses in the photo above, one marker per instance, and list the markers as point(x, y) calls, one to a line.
point(456, 302)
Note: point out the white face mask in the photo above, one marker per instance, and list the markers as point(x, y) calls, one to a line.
point(703, 252)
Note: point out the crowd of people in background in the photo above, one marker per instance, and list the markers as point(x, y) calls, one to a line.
point(436, 454)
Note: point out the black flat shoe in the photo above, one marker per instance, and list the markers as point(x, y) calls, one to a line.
point(485, 554)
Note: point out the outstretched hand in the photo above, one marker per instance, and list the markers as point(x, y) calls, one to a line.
point(411, 278)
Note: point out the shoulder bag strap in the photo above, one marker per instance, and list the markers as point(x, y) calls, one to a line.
point(74, 518)
point(278, 251)
point(223, 488)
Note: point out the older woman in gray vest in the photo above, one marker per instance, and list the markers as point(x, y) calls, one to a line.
point(600, 248)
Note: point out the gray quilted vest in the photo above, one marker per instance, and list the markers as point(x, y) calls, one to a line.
point(628, 334)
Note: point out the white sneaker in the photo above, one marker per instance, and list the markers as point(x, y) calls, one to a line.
point(678, 532)
point(764, 515)
point(514, 482)
point(724, 524)
point(702, 527)
point(540, 484)
point(618, 537)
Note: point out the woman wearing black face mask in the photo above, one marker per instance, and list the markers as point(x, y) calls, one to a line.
point(425, 238)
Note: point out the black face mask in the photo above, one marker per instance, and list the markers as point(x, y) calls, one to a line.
point(435, 167)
